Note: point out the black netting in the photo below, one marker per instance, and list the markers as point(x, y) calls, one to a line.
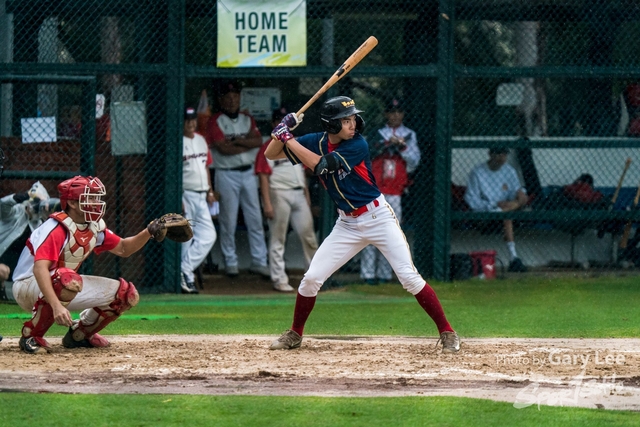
point(555, 82)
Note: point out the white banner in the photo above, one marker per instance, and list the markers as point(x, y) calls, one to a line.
point(254, 33)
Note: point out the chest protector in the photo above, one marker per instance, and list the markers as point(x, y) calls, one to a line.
point(80, 242)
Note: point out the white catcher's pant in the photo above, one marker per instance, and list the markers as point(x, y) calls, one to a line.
point(196, 210)
point(378, 227)
point(236, 189)
point(96, 292)
point(372, 263)
point(289, 205)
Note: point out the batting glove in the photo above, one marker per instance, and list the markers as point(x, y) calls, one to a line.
point(281, 133)
point(292, 120)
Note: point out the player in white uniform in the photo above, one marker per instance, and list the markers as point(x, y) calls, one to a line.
point(340, 157)
point(46, 282)
point(235, 139)
point(494, 186)
point(285, 197)
point(196, 196)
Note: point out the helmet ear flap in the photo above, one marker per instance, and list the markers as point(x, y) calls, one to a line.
point(333, 126)
point(359, 124)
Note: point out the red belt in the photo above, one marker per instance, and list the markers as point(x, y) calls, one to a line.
point(362, 209)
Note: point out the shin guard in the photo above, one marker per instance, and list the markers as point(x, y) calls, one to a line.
point(126, 297)
point(66, 285)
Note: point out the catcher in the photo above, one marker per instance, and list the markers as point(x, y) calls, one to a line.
point(46, 281)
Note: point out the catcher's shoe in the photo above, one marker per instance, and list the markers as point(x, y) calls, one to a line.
point(95, 340)
point(287, 341)
point(34, 345)
point(450, 342)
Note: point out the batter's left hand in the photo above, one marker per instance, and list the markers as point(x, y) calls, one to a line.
point(281, 133)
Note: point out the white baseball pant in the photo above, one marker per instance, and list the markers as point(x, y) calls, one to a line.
point(372, 263)
point(196, 210)
point(378, 227)
point(96, 292)
point(240, 188)
point(289, 205)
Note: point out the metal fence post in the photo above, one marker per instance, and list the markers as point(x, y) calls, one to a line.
point(441, 210)
point(173, 154)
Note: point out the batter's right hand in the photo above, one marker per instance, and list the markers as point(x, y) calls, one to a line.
point(292, 120)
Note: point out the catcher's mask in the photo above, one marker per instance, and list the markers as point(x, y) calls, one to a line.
point(338, 108)
point(88, 191)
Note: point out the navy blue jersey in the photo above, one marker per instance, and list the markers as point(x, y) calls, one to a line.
point(353, 184)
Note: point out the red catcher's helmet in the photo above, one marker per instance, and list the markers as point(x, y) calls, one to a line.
point(88, 191)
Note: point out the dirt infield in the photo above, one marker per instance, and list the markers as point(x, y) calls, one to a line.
point(569, 372)
point(592, 373)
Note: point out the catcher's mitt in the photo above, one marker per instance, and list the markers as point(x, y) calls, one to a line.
point(173, 226)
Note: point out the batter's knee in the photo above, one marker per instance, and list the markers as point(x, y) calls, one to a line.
point(414, 286)
point(309, 287)
point(126, 297)
point(66, 284)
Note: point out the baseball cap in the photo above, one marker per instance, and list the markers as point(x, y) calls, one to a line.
point(279, 113)
point(498, 150)
point(394, 105)
point(190, 113)
point(224, 87)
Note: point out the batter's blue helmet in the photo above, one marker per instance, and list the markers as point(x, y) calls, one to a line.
point(337, 108)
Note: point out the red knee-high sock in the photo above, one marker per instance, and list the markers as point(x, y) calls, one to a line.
point(304, 305)
point(429, 301)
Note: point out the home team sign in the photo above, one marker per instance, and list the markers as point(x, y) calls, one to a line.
point(254, 33)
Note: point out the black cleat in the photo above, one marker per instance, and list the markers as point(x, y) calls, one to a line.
point(31, 346)
point(516, 266)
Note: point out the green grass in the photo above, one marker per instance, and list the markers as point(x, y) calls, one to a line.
point(596, 307)
point(570, 308)
point(182, 410)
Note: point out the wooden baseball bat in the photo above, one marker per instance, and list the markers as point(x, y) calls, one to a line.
point(624, 172)
point(627, 228)
point(347, 66)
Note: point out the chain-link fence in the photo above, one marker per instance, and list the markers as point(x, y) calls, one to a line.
point(553, 82)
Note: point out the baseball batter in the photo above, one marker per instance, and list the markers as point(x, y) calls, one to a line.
point(340, 157)
point(196, 196)
point(46, 282)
